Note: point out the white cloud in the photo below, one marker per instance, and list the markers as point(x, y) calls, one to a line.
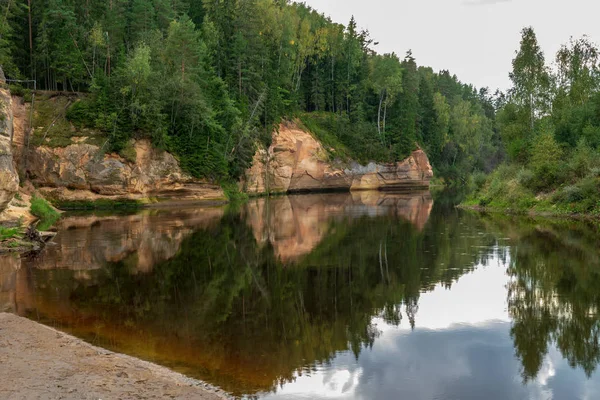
point(476, 43)
point(485, 2)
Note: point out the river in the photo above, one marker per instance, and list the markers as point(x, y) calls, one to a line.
point(367, 295)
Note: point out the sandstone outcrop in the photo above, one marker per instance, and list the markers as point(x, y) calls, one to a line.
point(297, 162)
point(9, 179)
point(82, 172)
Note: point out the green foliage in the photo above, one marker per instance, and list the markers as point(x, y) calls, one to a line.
point(346, 140)
point(477, 180)
point(129, 153)
point(45, 212)
point(208, 80)
point(553, 146)
point(503, 190)
point(53, 119)
point(545, 156)
point(233, 193)
point(564, 185)
point(9, 233)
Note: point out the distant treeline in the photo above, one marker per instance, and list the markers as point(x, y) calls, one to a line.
point(209, 80)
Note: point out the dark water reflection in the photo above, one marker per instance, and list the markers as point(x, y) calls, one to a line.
point(346, 296)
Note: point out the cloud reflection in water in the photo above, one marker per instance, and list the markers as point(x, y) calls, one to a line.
point(460, 349)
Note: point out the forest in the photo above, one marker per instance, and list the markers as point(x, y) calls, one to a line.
point(210, 80)
point(549, 123)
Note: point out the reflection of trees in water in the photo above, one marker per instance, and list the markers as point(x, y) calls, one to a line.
point(249, 322)
point(553, 295)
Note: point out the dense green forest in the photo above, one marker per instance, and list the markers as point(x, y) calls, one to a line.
point(550, 127)
point(209, 80)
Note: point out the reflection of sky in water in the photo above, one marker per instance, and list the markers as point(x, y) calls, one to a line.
point(460, 349)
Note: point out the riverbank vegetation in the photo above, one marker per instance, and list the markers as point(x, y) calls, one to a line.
point(209, 81)
point(45, 212)
point(550, 126)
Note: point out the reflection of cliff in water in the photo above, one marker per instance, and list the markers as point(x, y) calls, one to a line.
point(89, 242)
point(219, 305)
point(295, 225)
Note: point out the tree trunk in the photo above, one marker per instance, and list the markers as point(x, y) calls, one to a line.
point(384, 115)
point(531, 110)
point(30, 40)
point(379, 116)
point(348, 90)
point(332, 84)
point(240, 78)
point(108, 54)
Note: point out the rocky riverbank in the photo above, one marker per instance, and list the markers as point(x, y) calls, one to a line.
point(297, 162)
point(43, 363)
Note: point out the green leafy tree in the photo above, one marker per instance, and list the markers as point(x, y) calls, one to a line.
point(386, 75)
point(530, 78)
point(408, 108)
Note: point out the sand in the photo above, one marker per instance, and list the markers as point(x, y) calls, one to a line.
point(38, 362)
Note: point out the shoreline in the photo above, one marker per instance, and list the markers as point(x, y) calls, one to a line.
point(530, 213)
point(46, 363)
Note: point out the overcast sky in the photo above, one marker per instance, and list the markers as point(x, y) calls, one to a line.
point(474, 39)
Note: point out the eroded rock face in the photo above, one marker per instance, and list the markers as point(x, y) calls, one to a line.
point(84, 169)
point(9, 179)
point(297, 162)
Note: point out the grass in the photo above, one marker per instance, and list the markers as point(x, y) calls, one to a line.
point(233, 193)
point(515, 189)
point(45, 212)
point(52, 127)
point(9, 233)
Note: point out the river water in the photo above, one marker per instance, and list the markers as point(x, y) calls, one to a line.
point(330, 296)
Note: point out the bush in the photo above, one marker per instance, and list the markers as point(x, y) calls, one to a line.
point(584, 196)
point(45, 212)
point(505, 188)
point(81, 114)
point(594, 172)
point(526, 178)
point(9, 233)
point(232, 192)
point(17, 90)
point(544, 160)
point(569, 194)
point(478, 179)
point(129, 153)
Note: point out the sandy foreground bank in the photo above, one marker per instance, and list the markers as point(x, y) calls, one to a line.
point(38, 362)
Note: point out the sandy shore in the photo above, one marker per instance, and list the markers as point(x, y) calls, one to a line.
point(38, 362)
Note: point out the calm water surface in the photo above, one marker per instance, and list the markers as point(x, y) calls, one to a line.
point(337, 296)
